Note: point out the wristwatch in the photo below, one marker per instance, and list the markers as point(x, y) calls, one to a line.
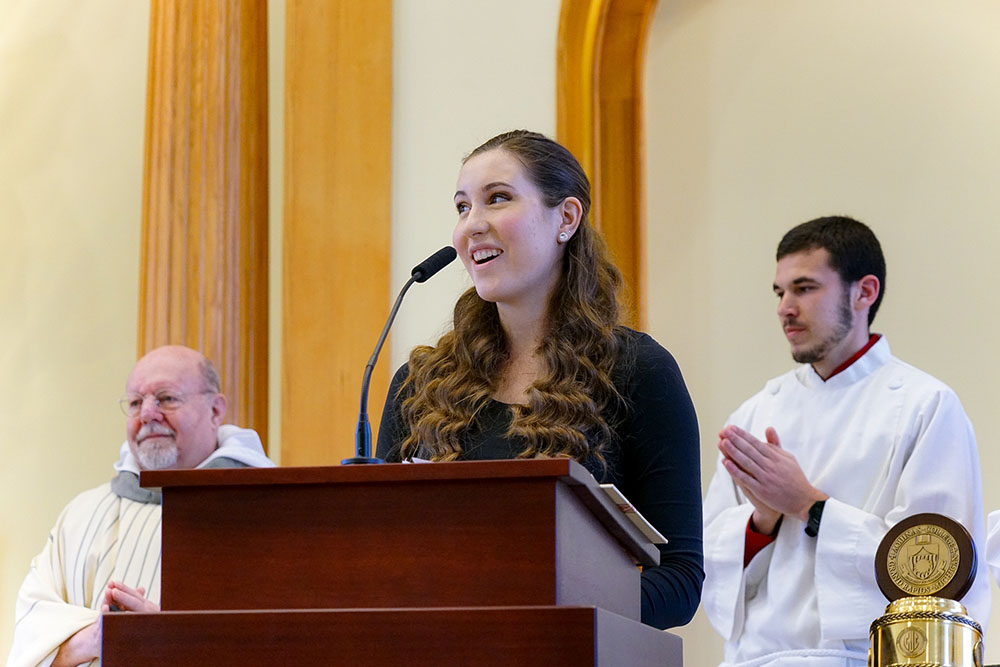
point(815, 514)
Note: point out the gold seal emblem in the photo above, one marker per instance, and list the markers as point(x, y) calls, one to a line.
point(923, 559)
point(924, 565)
point(911, 642)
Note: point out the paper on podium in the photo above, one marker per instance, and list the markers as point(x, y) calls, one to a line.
point(619, 499)
point(633, 514)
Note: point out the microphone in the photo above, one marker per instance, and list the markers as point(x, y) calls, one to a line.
point(363, 433)
point(427, 268)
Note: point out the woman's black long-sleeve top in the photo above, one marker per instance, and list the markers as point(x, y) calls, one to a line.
point(654, 461)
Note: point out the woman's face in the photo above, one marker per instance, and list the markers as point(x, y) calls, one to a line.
point(507, 237)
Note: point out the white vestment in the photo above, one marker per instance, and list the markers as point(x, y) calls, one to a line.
point(100, 537)
point(885, 441)
point(993, 544)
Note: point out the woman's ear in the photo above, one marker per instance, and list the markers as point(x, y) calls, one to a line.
point(570, 215)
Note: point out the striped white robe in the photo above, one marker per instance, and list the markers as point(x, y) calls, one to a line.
point(99, 537)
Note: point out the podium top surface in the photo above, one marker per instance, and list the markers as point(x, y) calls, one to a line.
point(571, 471)
point(565, 471)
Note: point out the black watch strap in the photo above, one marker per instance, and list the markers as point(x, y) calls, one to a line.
point(815, 514)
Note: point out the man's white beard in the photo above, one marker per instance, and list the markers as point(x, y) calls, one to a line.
point(156, 454)
point(153, 452)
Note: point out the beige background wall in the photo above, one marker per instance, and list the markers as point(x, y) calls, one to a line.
point(72, 99)
point(765, 114)
point(762, 114)
point(69, 261)
point(463, 72)
point(276, 143)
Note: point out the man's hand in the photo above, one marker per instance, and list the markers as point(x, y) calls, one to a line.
point(769, 476)
point(126, 598)
point(764, 519)
point(81, 648)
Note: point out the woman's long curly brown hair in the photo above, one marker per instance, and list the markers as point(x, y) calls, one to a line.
point(566, 413)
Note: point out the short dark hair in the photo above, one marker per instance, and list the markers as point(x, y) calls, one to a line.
point(854, 250)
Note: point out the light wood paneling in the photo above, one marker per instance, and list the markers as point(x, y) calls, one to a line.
point(203, 279)
point(580, 24)
point(600, 60)
point(337, 190)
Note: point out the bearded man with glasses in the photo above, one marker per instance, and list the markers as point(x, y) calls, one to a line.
point(104, 551)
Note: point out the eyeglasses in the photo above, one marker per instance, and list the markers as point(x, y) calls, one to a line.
point(165, 400)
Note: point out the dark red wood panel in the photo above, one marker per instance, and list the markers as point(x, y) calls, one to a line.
point(493, 637)
point(418, 544)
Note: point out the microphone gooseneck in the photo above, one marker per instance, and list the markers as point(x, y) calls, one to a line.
point(363, 433)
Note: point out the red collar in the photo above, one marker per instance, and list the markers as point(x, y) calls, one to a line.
point(857, 355)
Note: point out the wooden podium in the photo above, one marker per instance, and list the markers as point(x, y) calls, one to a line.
point(468, 563)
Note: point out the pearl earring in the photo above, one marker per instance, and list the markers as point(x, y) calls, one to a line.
point(563, 237)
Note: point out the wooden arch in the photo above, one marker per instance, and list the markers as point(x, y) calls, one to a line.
point(600, 60)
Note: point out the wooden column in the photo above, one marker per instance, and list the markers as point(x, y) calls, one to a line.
point(337, 196)
point(204, 265)
point(600, 58)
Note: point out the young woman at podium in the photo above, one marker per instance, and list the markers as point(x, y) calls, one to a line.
point(538, 365)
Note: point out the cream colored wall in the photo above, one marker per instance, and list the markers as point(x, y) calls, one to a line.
point(761, 115)
point(275, 152)
point(462, 72)
point(72, 98)
point(70, 258)
point(764, 114)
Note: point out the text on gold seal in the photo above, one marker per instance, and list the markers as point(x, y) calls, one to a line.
point(911, 642)
point(923, 559)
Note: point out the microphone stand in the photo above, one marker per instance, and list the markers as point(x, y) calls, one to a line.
point(363, 434)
